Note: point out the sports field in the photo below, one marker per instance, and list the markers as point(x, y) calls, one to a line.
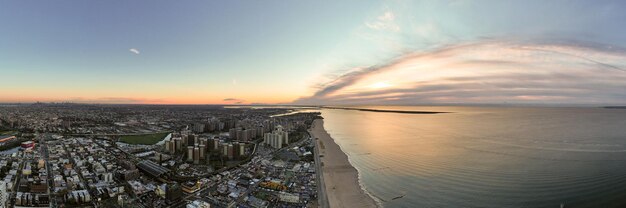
point(144, 138)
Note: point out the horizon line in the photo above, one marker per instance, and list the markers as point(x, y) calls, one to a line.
point(332, 105)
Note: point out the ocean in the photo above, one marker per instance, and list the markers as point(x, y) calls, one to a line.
point(486, 156)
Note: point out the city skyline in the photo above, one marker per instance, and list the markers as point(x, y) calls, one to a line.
point(314, 53)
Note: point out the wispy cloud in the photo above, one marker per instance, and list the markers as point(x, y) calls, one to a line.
point(385, 22)
point(487, 71)
point(134, 50)
point(233, 100)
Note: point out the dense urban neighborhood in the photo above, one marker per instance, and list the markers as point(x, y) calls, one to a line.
point(80, 155)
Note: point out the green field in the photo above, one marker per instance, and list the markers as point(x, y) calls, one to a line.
point(144, 139)
point(7, 132)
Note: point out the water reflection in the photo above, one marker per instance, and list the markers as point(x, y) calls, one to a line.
point(487, 157)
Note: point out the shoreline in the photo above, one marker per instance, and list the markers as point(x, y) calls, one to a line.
point(385, 111)
point(339, 179)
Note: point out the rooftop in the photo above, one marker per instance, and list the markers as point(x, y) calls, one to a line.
point(153, 169)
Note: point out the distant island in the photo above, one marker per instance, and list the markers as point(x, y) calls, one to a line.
point(385, 111)
point(615, 107)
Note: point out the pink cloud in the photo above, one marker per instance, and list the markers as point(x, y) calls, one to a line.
point(488, 72)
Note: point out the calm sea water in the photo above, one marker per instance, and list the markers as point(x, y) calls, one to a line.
point(487, 157)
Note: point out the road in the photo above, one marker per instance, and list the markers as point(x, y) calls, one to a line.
point(117, 134)
point(321, 185)
point(81, 177)
point(46, 156)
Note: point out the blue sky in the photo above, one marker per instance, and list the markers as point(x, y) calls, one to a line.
point(271, 51)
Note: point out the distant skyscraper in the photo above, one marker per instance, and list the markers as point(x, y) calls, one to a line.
point(178, 142)
point(213, 144)
point(232, 133)
point(196, 155)
point(239, 149)
point(224, 150)
point(236, 149)
point(202, 152)
point(230, 152)
point(277, 138)
point(170, 146)
point(191, 140)
point(166, 145)
point(189, 153)
point(239, 134)
point(198, 128)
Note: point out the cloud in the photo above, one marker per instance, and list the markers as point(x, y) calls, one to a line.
point(384, 22)
point(233, 100)
point(487, 71)
point(387, 16)
point(134, 50)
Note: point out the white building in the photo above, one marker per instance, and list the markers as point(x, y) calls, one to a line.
point(107, 177)
point(290, 198)
point(190, 154)
point(167, 145)
point(277, 138)
point(198, 204)
point(225, 150)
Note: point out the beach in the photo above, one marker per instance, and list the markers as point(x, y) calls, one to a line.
point(486, 156)
point(340, 180)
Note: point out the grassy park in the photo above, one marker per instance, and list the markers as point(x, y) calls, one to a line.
point(7, 132)
point(146, 139)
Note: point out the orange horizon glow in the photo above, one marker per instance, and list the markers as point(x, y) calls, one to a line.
point(176, 100)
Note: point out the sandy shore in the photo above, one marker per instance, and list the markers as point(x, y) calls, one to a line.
point(340, 179)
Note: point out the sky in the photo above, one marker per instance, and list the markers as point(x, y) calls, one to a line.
point(313, 52)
